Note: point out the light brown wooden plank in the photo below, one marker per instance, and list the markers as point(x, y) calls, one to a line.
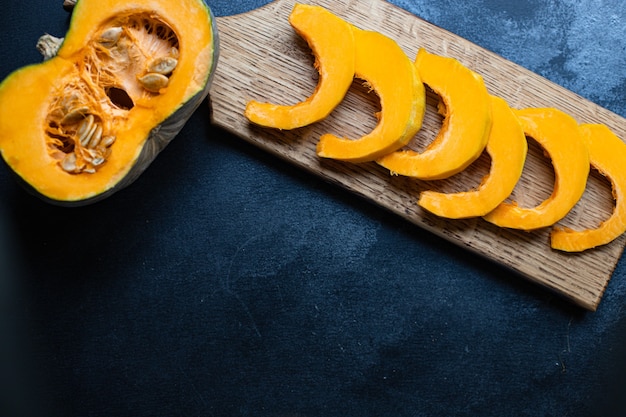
point(262, 58)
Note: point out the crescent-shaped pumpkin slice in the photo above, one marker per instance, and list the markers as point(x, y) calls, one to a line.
point(465, 130)
point(507, 147)
point(386, 69)
point(607, 154)
point(332, 43)
point(561, 139)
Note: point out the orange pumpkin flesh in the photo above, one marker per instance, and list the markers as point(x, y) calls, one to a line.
point(507, 148)
point(607, 155)
point(473, 121)
point(560, 137)
point(465, 130)
point(323, 31)
point(388, 71)
point(91, 122)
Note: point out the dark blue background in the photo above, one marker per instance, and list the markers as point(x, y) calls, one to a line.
point(225, 282)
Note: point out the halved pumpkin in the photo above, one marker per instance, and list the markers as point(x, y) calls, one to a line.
point(332, 43)
point(507, 147)
point(466, 105)
point(561, 139)
point(386, 69)
point(607, 154)
point(126, 78)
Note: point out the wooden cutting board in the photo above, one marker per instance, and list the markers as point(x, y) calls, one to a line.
point(262, 58)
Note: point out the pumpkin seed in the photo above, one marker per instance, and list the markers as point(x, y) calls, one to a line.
point(89, 154)
point(103, 152)
point(95, 137)
point(57, 154)
point(163, 65)
point(107, 141)
point(109, 37)
point(84, 127)
point(92, 158)
point(153, 82)
point(75, 115)
point(84, 140)
point(69, 162)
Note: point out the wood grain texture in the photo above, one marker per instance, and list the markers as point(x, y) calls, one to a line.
point(262, 58)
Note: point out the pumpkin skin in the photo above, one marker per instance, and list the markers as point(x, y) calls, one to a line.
point(99, 101)
point(466, 105)
point(386, 69)
point(507, 147)
point(607, 154)
point(323, 31)
point(561, 138)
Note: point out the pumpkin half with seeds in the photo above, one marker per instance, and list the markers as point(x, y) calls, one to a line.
point(125, 79)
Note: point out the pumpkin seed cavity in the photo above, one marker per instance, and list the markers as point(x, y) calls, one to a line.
point(130, 60)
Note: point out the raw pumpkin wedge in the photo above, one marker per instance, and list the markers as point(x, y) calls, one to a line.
point(464, 133)
point(86, 122)
point(332, 43)
point(386, 69)
point(560, 137)
point(507, 147)
point(607, 155)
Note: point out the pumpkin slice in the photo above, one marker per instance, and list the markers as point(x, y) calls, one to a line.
point(88, 121)
point(389, 72)
point(507, 147)
point(466, 105)
point(607, 155)
point(332, 43)
point(561, 139)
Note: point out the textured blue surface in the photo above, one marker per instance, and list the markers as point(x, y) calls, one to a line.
point(227, 283)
